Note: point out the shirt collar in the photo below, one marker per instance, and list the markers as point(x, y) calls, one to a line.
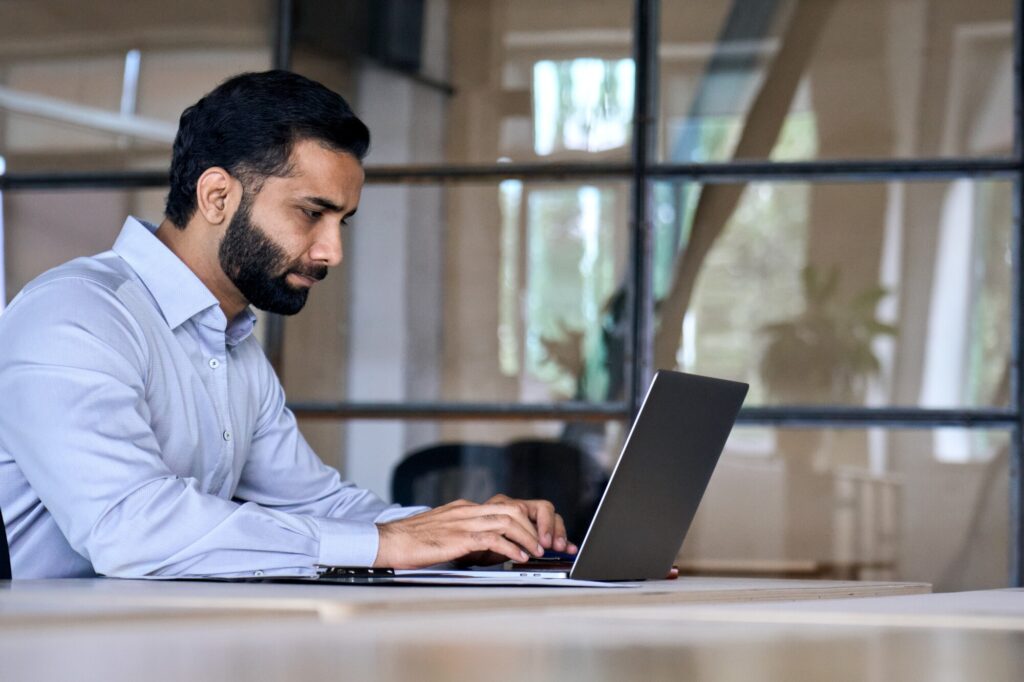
point(178, 293)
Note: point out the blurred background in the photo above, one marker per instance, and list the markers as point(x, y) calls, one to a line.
point(819, 197)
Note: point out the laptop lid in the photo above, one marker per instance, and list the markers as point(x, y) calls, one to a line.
point(662, 473)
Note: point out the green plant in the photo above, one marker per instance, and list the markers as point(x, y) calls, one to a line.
point(824, 353)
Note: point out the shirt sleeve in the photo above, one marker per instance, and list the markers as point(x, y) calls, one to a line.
point(73, 381)
point(283, 473)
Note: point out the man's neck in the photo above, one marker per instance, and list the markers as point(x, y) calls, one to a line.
point(196, 249)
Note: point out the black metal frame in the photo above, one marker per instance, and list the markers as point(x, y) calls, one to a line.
point(1016, 498)
point(640, 170)
point(273, 340)
point(856, 170)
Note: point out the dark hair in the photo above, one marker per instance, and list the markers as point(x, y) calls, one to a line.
point(248, 126)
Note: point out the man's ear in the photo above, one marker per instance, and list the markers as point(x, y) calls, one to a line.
point(217, 195)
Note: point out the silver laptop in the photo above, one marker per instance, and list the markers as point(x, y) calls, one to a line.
point(649, 503)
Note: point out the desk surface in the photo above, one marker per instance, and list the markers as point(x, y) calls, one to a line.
point(209, 631)
point(102, 596)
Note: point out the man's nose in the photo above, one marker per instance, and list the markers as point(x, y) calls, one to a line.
point(327, 249)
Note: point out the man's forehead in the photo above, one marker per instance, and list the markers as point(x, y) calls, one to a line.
point(318, 171)
point(310, 154)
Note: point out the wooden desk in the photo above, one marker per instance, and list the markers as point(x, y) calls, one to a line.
point(100, 597)
point(670, 631)
point(981, 610)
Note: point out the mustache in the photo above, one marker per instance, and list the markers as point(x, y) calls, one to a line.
point(317, 272)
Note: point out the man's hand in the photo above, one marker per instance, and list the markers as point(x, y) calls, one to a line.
point(550, 526)
point(501, 528)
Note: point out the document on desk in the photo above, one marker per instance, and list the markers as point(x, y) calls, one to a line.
point(464, 578)
point(495, 578)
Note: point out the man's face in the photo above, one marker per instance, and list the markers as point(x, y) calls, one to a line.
point(283, 239)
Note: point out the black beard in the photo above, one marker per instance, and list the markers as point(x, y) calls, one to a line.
point(258, 267)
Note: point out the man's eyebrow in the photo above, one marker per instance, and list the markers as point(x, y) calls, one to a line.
point(325, 204)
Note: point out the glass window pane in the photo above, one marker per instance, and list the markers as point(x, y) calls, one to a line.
point(503, 292)
point(478, 81)
point(915, 504)
point(839, 293)
point(540, 81)
point(786, 80)
point(500, 292)
point(103, 88)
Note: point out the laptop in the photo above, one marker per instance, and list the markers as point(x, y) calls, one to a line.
point(650, 501)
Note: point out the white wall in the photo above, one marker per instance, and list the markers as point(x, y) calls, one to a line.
point(394, 263)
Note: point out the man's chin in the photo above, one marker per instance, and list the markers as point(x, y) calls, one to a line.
point(288, 312)
point(284, 305)
point(283, 310)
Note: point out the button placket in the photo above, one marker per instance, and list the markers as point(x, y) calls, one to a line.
point(215, 350)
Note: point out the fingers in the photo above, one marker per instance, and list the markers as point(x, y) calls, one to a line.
point(506, 516)
point(561, 542)
point(511, 522)
point(550, 526)
point(499, 544)
point(542, 513)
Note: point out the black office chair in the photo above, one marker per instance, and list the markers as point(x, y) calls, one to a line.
point(527, 469)
point(5, 553)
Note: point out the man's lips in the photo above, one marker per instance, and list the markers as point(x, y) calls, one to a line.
point(303, 280)
point(307, 277)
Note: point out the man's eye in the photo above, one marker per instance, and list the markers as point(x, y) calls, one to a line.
point(311, 214)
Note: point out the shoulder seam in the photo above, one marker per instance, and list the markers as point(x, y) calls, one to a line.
point(129, 314)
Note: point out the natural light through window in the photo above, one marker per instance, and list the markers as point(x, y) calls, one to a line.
point(582, 104)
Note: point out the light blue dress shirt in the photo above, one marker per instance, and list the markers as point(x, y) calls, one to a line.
point(142, 434)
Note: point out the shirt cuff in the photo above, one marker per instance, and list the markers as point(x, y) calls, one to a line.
point(347, 543)
point(394, 512)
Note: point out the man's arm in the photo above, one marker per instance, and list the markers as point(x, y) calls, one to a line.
point(73, 414)
point(284, 473)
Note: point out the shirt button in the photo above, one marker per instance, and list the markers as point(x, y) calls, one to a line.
point(214, 363)
point(257, 573)
point(227, 435)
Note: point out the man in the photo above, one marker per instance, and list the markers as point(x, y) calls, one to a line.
point(142, 431)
